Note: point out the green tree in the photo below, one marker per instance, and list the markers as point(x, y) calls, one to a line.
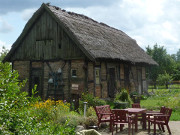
point(165, 61)
point(164, 79)
point(178, 55)
point(3, 53)
point(176, 71)
point(11, 97)
point(173, 56)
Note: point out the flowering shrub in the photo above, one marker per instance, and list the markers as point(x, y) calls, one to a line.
point(51, 104)
point(21, 114)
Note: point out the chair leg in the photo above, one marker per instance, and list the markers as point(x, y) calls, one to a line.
point(121, 127)
point(168, 129)
point(98, 124)
point(154, 128)
point(132, 129)
point(159, 126)
point(162, 126)
point(129, 128)
point(112, 127)
point(148, 126)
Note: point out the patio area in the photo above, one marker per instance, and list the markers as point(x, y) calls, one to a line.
point(124, 119)
point(174, 126)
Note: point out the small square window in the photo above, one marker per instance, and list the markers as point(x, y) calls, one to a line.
point(73, 73)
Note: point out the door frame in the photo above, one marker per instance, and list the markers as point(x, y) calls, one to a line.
point(111, 91)
point(39, 69)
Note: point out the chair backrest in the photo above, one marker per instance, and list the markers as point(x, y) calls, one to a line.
point(102, 109)
point(163, 109)
point(168, 111)
point(120, 115)
point(136, 105)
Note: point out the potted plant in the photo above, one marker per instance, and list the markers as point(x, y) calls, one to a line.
point(135, 97)
point(122, 99)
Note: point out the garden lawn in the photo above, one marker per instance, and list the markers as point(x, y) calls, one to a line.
point(164, 97)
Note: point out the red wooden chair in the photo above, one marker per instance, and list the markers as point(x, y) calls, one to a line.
point(121, 117)
point(136, 105)
point(150, 114)
point(104, 114)
point(160, 120)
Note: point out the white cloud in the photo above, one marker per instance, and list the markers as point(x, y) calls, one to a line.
point(147, 21)
point(2, 43)
point(27, 13)
point(5, 27)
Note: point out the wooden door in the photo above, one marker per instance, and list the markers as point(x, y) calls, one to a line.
point(111, 82)
point(36, 79)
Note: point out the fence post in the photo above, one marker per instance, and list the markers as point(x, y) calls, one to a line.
point(85, 109)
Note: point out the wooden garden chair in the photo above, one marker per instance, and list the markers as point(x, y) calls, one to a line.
point(103, 114)
point(160, 120)
point(136, 105)
point(121, 117)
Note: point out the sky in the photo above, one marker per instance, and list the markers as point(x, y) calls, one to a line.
point(149, 22)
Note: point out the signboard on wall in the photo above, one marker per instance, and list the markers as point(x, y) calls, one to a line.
point(75, 86)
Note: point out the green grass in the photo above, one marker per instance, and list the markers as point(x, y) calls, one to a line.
point(164, 97)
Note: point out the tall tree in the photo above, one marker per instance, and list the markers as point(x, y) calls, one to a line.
point(178, 56)
point(165, 61)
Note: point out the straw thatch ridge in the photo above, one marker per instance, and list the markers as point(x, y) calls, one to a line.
point(96, 40)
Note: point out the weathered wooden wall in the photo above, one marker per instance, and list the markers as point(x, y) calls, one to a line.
point(82, 81)
point(91, 84)
point(46, 40)
point(104, 79)
point(54, 66)
point(79, 80)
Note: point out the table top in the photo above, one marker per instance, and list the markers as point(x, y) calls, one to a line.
point(135, 110)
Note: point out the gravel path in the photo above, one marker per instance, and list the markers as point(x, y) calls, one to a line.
point(174, 126)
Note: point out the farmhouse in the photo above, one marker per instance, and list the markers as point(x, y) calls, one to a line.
point(66, 54)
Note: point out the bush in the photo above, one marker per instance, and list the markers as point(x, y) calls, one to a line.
point(91, 101)
point(123, 96)
point(90, 112)
point(21, 114)
point(90, 121)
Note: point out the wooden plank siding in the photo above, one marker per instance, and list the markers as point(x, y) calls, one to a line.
point(46, 40)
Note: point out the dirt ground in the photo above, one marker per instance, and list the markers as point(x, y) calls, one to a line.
point(174, 127)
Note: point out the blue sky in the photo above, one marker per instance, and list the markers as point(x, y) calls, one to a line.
point(147, 21)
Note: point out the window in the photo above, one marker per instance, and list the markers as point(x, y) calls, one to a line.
point(73, 73)
point(97, 75)
point(59, 45)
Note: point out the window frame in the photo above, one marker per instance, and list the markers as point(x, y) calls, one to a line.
point(99, 75)
point(74, 76)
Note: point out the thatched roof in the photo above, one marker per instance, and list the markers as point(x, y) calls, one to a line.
point(98, 40)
